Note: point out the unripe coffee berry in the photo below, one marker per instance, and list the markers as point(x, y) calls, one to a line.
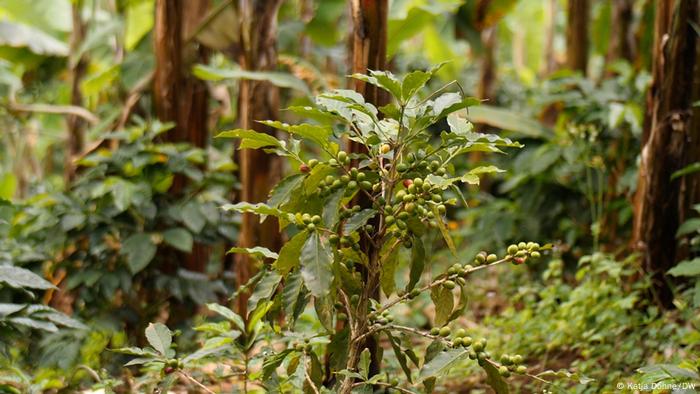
point(449, 284)
point(503, 370)
point(445, 331)
point(521, 369)
point(385, 148)
point(435, 331)
point(512, 249)
point(535, 255)
point(342, 156)
point(491, 258)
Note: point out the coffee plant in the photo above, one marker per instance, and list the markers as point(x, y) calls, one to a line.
point(353, 218)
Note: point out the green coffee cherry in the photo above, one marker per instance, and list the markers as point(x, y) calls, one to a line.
point(460, 333)
point(445, 331)
point(535, 255)
point(457, 342)
point(512, 249)
point(401, 167)
point(517, 359)
point(311, 227)
point(342, 156)
point(503, 370)
point(522, 245)
point(435, 331)
point(521, 369)
point(466, 341)
point(491, 258)
point(449, 284)
point(332, 162)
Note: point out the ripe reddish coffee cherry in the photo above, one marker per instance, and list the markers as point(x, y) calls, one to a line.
point(304, 168)
point(407, 182)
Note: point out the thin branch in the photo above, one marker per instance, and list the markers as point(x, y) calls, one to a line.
point(384, 384)
point(437, 283)
point(196, 382)
point(55, 109)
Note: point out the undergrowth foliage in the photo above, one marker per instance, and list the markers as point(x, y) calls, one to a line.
point(407, 176)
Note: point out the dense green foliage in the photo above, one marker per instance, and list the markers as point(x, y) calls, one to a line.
point(482, 243)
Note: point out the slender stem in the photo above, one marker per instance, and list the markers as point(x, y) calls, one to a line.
point(195, 381)
point(437, 283)
point(308, 378)
point(385, 384)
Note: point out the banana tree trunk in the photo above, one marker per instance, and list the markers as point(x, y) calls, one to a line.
point(258, 100)
point(670, 142)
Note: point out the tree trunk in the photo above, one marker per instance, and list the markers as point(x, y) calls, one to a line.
point(180, 97)
point(621, 40)
point(369, 41)
point(550, 62)
point(669, 143)
point(578, 16)
point(258, 100)
point(77, 68)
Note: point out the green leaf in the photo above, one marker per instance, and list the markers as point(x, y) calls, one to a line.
point(259, 209)
point(139, 250)
point(159, 337)
point(193, 217)
point(400, 355)
point(363, 365)
point(228, 314)
point(258, 251)
point(508, 120)
point(290, 254)
point(494, 379)
point(22, 278)
point(265, 288)
point(179, 238)
point(383, 79)
point(417, 263)
point(686, 268)
point(412, 83)
point(689, 226)
point(331, 211)
point(291, 293)
point(316, 259)
point(444, 303)
point(251, 139)
point(8, 185)
point(281, 79)
point(441, 364)
point(445, 233)
point(319, 134)
point(17, 35)
point(358, 220)
point(271, 363)
point(690, 169)
point(388, 271)
point(280, 194)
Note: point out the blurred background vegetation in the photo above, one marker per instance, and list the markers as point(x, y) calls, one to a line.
point(111, 180)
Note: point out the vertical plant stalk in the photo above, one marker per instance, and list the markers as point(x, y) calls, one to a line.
point(258, 100)
point(577, 41)
point(369, 46)
point(77, 68)
point(668, 142)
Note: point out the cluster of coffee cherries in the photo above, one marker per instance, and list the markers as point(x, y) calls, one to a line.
point(416, 162)
point(381, 319)
point(418, 199)
point(477, 350)
point(304, 346)
point(519, 253)
point(308, 222)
